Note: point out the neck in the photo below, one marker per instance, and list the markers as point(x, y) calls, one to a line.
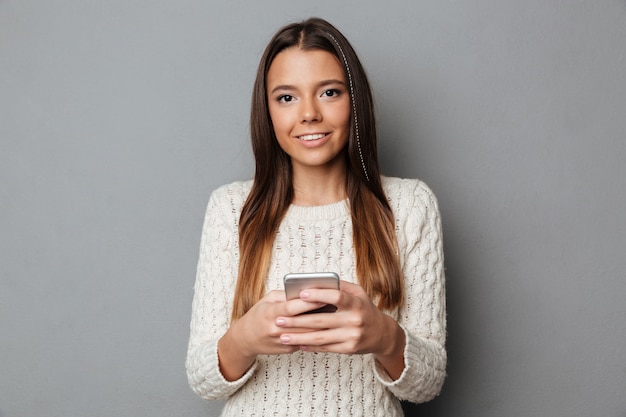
point(319, 187)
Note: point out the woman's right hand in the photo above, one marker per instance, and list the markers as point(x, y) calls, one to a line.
point(256, 333)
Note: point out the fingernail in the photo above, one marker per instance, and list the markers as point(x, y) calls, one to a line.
point(285, 338)
point(280, 322)
point(304, 294)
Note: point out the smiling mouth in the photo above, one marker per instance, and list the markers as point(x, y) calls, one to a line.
point(312, 137)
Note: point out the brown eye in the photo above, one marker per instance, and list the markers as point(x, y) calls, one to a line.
point(285, 98)
point(333, 92)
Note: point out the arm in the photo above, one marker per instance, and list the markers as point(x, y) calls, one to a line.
point(213, 293)
point(423, 316)
point(222, 357)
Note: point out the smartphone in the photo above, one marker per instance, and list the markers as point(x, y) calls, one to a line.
point(296, 282)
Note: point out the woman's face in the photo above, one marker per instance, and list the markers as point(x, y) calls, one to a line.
point(309, 105)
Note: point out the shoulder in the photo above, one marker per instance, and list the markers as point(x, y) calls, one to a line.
point(227, 200)
point(416, 212)
point(408, 192)
point(228, 194)
point(412, 201)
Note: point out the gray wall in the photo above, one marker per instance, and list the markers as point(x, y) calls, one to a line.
point(118, 118)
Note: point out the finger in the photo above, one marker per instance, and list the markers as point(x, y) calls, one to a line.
point(331, 296)
point(314, 321)
point(321, 340)
point(319, 295)
point(298, 306)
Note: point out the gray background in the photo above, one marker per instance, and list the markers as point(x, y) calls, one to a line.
point(118, 118)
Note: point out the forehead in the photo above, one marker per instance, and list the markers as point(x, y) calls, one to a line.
point(297, 66)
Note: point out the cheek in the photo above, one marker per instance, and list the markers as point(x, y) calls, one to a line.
point(280, 121)
point(344, 122)
point(342, 116)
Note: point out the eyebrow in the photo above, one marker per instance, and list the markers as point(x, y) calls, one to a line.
point(288, 87)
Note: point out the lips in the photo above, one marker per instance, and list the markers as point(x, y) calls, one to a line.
point(313, 136)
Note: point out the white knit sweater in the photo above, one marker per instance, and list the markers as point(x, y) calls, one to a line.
point(320, 239)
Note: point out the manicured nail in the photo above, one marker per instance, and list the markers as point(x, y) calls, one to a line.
point(280, 322)
point(305, 294)
point(285, 339)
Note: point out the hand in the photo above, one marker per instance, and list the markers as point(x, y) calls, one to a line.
point(357, 327)
point(256, 332)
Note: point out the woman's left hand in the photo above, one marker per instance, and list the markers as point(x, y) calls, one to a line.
point(357, 327)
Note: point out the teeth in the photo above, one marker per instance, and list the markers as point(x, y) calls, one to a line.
point(312, 137)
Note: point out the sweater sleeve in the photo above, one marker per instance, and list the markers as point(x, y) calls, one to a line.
point(423, 314)
point(213, 293)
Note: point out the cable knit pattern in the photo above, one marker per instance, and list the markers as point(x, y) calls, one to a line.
point(320, 239)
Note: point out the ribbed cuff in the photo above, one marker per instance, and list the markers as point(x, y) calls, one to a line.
point(423, 374)
point(205, 377)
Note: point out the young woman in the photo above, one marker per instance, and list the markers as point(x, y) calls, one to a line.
point(318, 203)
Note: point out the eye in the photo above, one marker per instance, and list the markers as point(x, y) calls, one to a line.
point(333, 92)
point(285, 98)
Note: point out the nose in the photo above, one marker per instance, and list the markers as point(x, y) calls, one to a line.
point(310, 111)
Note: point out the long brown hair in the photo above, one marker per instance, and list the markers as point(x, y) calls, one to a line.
point(374, 239)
